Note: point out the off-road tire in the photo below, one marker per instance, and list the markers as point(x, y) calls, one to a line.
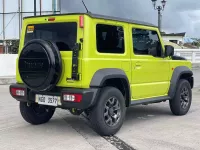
point(30, 115)
point(175, 103)
point(96, 115)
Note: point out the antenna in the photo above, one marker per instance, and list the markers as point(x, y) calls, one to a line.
point(85, 7)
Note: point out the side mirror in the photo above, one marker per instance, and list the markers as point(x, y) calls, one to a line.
point(153, 52)
point(169, 50)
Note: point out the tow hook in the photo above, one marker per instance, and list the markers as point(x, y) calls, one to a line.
point(28, 104)
point(75, 111)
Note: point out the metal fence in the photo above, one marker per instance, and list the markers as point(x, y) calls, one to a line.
point(12, 13)
point(192, 55)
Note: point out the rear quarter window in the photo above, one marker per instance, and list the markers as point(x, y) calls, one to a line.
point(110, 39)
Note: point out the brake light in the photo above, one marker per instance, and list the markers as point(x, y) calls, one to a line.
point(81, 21)
point(18, 91)
point(51, 19)
point(72, 97)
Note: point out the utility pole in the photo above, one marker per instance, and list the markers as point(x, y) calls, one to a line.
point(159, 17)
point(54, 6)
point(21, 4)
point(159, 8)
point(59, 6)
point(40, 7)
point(19, 8)
point(35, 8)
point(4, 36)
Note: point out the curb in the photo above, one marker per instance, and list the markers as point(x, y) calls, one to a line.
point(7, 80)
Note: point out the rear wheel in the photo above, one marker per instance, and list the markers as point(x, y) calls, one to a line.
point(181, 102)
point(36, 114)
point(108, 115)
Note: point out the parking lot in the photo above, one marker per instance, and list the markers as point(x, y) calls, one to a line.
point(145, 127)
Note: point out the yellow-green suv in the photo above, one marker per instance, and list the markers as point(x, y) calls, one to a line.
point(97, 65)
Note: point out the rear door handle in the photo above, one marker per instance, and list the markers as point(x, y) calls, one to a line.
point(138, 65)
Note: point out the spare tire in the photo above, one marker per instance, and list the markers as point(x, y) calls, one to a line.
point(40, 65)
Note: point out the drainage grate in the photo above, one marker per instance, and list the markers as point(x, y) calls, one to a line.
point(118, 143)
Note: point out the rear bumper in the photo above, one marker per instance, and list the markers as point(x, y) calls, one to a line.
point(88, 96)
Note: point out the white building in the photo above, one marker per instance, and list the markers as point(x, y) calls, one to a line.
point(177, 38)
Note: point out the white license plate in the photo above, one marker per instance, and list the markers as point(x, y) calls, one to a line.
point(47, 100)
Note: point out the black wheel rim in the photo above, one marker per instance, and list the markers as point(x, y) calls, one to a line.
point(112, 111)
point(184, 97)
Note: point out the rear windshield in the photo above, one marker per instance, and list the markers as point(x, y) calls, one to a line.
point(63, 34)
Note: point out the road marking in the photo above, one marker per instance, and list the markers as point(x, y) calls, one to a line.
point(115, 141)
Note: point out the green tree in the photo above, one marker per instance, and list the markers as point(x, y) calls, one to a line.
point(196, 44)
point(13, 46)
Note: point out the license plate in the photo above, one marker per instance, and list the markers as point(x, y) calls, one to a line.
point(47, 100)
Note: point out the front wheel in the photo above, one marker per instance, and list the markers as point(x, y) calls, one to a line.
point(181, 102)
point(108, 114)
point(36, 114)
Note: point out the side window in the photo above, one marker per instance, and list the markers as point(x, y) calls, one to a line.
point(146, 42)
point(110, 39)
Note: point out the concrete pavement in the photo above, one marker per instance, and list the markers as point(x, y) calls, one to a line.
point(154, 127)
point(196, 77)
point(64, 131)
point(145, 127)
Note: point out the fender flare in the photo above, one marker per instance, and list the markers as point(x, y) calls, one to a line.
point(102, 75)
point(178, 72)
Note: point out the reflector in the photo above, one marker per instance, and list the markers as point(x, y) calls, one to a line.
point(81, 21)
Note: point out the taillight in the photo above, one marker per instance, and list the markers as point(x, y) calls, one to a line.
point(72, 97)
point(81, 21)
point(18, 91)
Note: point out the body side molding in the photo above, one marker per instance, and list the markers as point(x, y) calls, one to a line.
point(149, 100)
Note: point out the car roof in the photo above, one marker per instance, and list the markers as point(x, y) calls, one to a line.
point(98, 16)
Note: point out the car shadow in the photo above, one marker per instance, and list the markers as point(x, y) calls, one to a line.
point(139, 114)
point(134, 115)
point(78, 123)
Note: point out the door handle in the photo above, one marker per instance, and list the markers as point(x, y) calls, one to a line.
point(137, 65)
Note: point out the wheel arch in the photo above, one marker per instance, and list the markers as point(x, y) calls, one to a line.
point(181, 72)
point(113, 77)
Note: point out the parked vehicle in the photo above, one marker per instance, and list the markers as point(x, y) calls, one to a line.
point(97, 65)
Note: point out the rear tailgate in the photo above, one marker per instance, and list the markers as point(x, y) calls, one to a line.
point(65, 31)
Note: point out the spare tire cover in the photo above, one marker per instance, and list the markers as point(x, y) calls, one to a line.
point(40, 65)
